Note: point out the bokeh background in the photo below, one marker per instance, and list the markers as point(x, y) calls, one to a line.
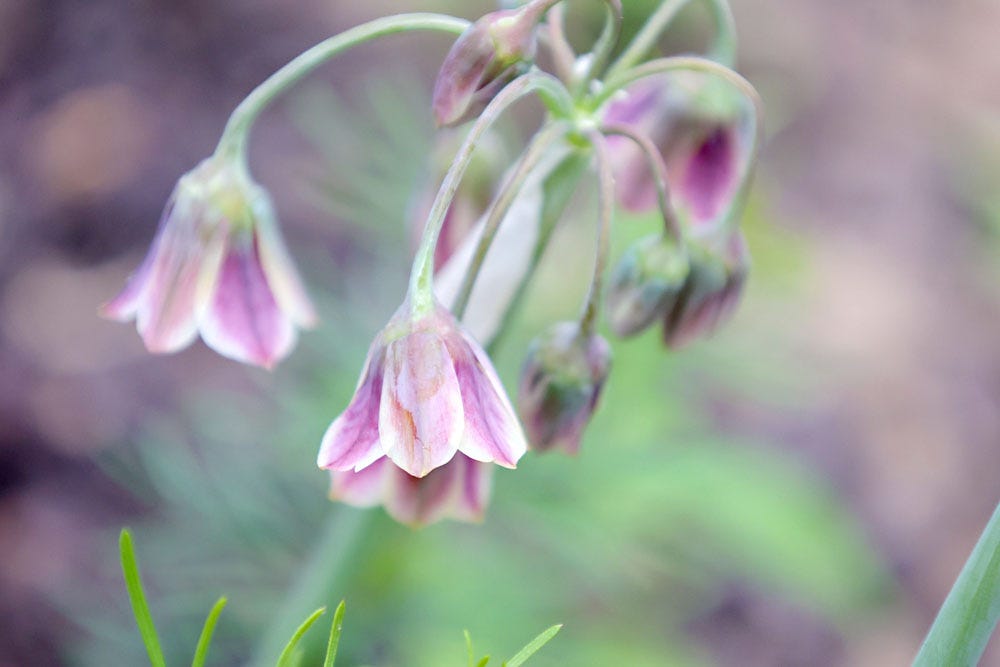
point(800, 490)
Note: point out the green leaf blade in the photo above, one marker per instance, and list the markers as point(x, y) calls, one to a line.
point(287, 657)
point(201, 650)
point(538, 642)
point(137, 597)
point(334, 641)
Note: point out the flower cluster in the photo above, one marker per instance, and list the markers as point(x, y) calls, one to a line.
point(675, 137)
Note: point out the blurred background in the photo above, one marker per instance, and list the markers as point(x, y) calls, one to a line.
point(800, 490)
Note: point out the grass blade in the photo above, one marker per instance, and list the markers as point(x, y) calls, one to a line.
point(285, 659)
point(533, 646)
point(201, 651)
point(136, 595)
point(334, 642)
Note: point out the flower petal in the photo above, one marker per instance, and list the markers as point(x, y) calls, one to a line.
point(460, 490)
point(710, 175)
point(282, 276)
point(243, 321)
point(420, 416)
point(352, 440)
point(362, 488)
point(492, 432)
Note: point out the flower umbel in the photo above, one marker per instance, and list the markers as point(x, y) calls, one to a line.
point(561, 383)
point(218, 266)
point(428, 391)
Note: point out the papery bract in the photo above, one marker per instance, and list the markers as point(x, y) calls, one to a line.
point(218, 266)
point(561, 382)
point(460, 489)
point(428, 390)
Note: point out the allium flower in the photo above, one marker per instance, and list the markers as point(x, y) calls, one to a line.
point(491, 52)
point(218, 266)
point(427, 391)
point(703, 132)
point(561, 383)
point(459, 489)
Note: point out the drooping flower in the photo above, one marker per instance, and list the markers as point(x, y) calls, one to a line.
point(460, 489)
point(491, 52)
point(561, 382)
point(427, 391)
point(703, 131)
point(217, 266)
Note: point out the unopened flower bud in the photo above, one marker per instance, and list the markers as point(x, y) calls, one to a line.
point(561, 382)
point(486, 57)
point(711, 292)
point(645, 283)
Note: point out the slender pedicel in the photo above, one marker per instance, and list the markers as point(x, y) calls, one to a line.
point(606, 206)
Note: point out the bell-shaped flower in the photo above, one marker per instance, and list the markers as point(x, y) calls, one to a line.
point(427, 391)
point(491, 52)
point(218, 266)
point(711, 292)
point(561, 382)
point(649, 277)
point(460, 489)
point(704, 132)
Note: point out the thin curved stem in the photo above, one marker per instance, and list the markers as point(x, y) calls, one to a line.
point(562, 52)
point(605, 44)
point(234, 136)
point(501, 205)
point(606, 209)
point(712, 68)
point(722, 49)
point(554, 94)
point(658, 170)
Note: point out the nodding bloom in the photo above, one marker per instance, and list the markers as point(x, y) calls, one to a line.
point(703, 130)
point(427, 392)
point(561, 383)
point(460, 489)
point(219, 267)
point(491, 53)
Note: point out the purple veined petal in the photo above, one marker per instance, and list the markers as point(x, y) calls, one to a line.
point(710, 175)
point(282, 276)
point(476, 484)
point(352, 440)
point(362, 488)
point(188, 256)
point(243, 320)
point(492, 432)
point(420, 416)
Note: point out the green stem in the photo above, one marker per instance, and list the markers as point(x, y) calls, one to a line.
point(234, 136)
point(712, 68)
point(562, 52)
point(556, 98)
point(723, 48)
point(606, 43)
point(969, 614)
point(606, 209)
point(658, 169)
point(501, 206)
point(317, 579)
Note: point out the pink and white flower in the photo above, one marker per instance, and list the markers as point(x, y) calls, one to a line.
point(427, 392)
point(219, 267)
point(460, 489)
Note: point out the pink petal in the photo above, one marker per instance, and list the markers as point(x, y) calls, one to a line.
point(243, 321)
point(352, 440)
point(460, 490)
point(363, 488)
point(420, 416)
point(710, 175)
point(282, 276)
point(492, 432)
point(187, 255)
